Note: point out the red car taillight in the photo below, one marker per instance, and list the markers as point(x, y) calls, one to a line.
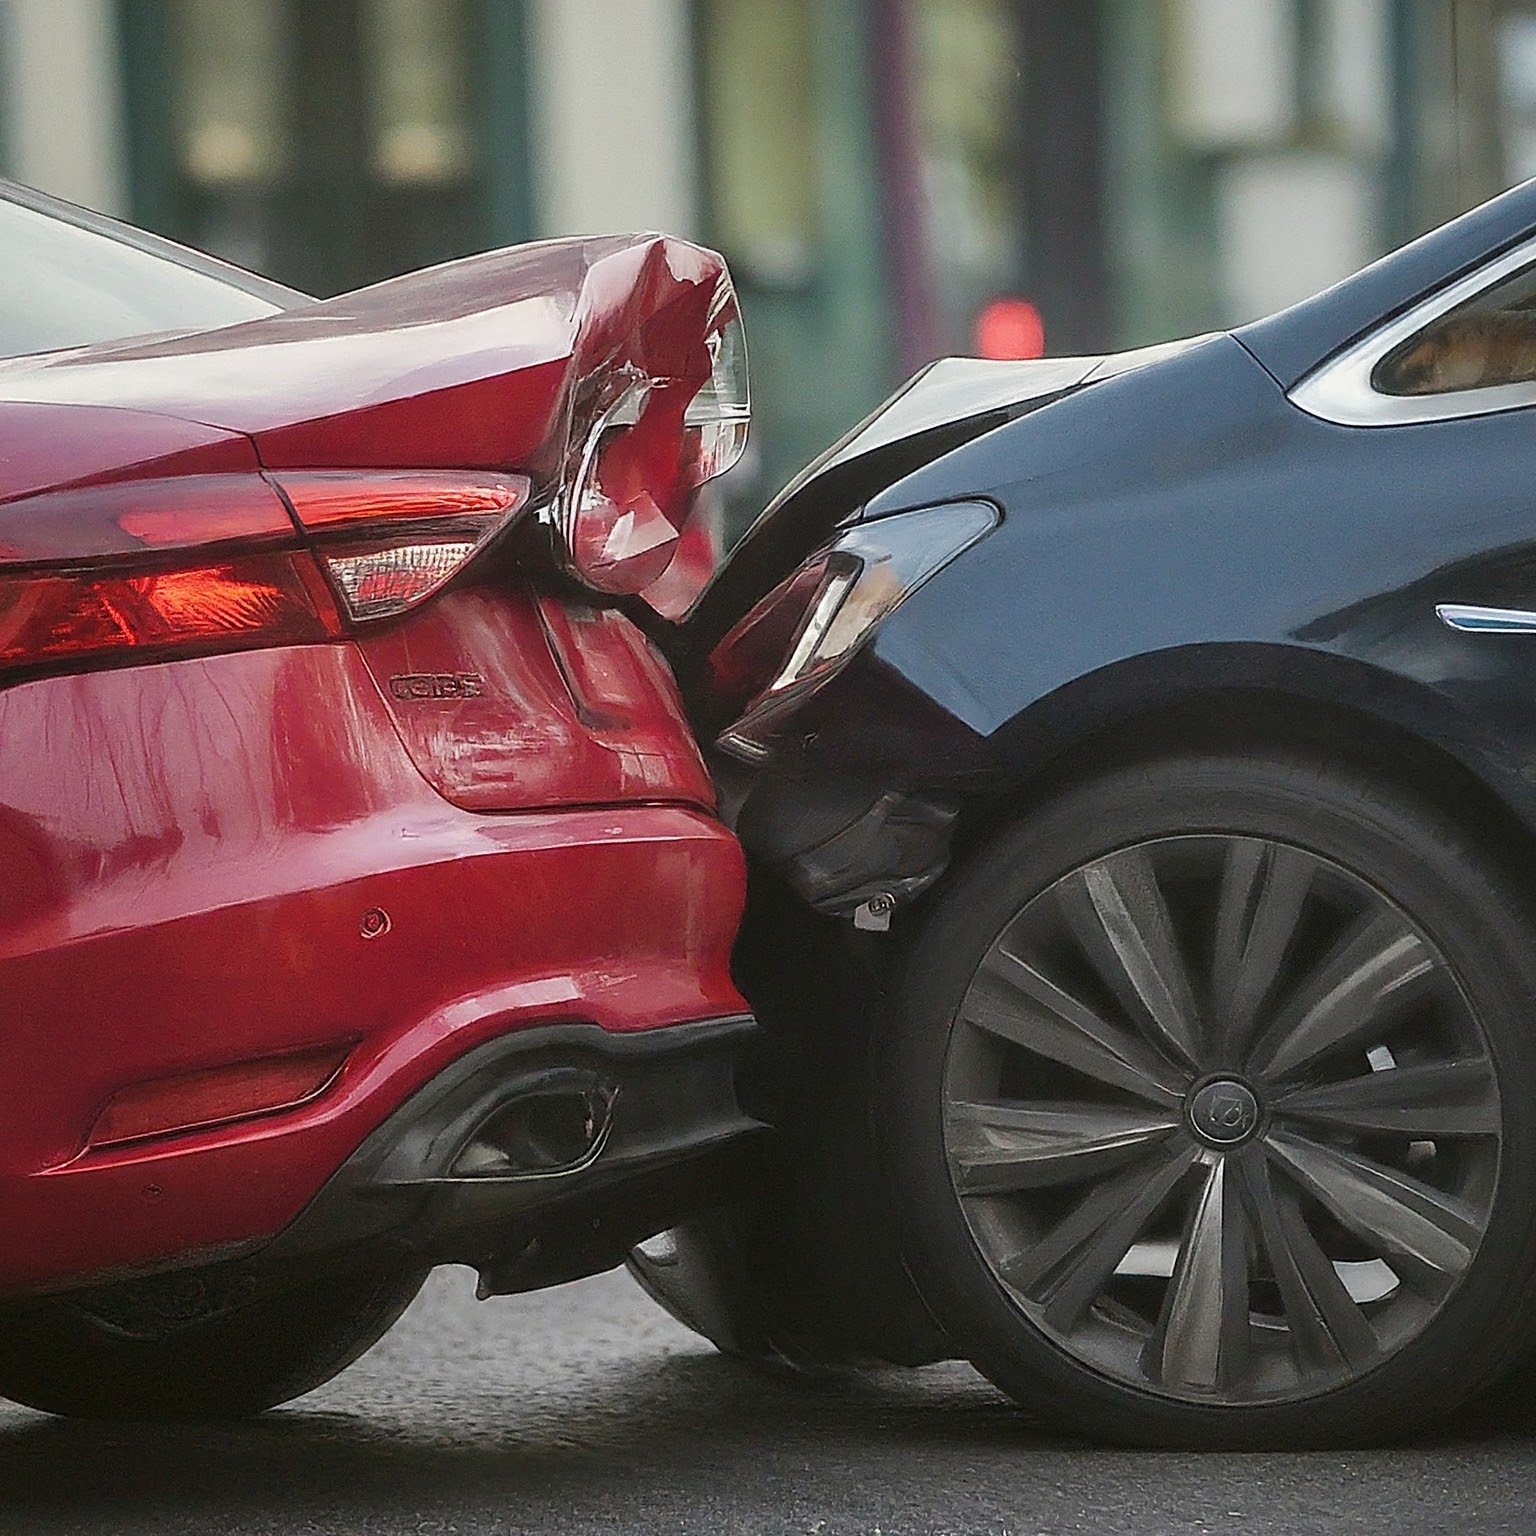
point(260, 599)
point(388, 540)
point(215, 562)
point(154, 567)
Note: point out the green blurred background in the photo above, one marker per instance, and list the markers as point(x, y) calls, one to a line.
point(878, 172)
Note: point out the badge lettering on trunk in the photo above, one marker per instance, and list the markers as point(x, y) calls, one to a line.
point(437, 685)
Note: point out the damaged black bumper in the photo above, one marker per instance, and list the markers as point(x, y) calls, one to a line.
point(846, 849)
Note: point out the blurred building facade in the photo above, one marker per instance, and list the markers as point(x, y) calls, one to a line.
point(878, 172)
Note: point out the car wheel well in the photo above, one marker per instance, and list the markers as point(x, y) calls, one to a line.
point(1257, 721)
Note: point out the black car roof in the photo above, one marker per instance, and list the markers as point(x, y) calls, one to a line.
point(1294, 341)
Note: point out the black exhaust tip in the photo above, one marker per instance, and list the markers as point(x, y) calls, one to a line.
point(557, 1122)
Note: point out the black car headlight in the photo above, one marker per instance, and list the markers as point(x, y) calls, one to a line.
point(814, 621)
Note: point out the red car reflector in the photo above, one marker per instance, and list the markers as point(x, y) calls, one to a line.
point(197, 1100)
point(391, 539)
point(48, 616)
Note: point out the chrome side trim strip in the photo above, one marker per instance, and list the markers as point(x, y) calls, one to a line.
point(1487, 621)
point(1340, 389)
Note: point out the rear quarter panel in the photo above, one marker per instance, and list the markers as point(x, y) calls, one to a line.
point(510, 699)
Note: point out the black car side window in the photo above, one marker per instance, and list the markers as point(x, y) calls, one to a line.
point(1491, 339)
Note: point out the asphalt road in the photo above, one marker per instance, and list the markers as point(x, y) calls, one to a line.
point(587, 1410)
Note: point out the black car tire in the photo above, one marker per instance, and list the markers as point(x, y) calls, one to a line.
point(1265, 1373)
point(803, 1268)
point(768, 1288)
point(776, 1279)
point(197, 1345)
point(697, 1273)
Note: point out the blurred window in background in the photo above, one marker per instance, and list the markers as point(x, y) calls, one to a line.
point(231, 132)
point(968, 84)
point(230, 67)
point(1517, 92)
point(1248, 145)
point(419, 147)
point(792, 195)
point(1007, 102)
point(759, 137)
point(416, 67)
point(328, 143)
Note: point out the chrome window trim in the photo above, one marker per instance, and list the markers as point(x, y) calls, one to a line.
point(1340, 389)
point(1476, 620)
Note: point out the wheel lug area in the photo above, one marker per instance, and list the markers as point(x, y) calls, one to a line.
point(1223, 1112)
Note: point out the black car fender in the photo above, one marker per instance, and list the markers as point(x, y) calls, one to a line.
point(1179, 544)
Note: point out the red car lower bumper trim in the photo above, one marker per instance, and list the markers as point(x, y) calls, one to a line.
point(492, 1163)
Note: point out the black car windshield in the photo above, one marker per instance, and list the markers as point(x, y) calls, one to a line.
point(69, 278)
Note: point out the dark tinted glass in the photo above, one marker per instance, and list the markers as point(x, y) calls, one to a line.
point(1491, 339)
point(69, 278)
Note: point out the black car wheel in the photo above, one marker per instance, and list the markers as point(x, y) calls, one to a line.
point(211, 1344)
point(803, 1268)
point(1210, 1104)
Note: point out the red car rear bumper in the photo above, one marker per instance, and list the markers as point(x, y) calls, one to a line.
point(220, 861)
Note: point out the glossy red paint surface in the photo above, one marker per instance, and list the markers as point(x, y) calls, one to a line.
point(486, 814)
point(191, 854)
point(82, 443)
point(503, 361)
point(511, 701)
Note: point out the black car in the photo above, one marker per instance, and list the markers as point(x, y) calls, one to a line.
point(1141, 782)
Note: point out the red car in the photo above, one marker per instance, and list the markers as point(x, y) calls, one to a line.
point(363, 903)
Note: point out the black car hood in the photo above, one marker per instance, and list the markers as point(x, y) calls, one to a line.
point(969, 394)
point(939, 409)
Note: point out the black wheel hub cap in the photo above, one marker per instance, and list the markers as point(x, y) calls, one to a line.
point(1224, 1113)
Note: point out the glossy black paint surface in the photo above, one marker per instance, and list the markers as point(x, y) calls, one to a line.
point(932, 414)
point(1183, 536)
